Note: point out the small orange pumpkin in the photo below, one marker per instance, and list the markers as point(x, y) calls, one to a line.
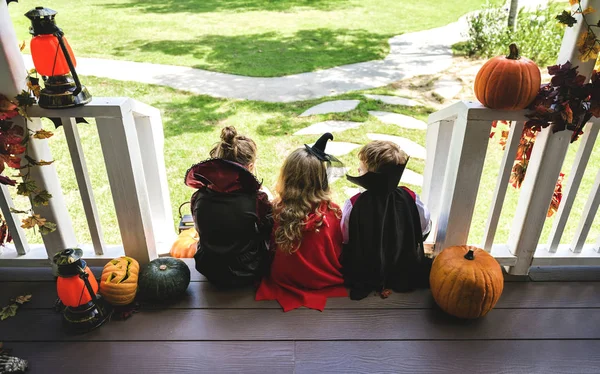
point(508, 82)
point(185, 245)
point(466, 281)
point(119, 281)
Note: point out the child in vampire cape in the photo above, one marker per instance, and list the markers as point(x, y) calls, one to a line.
point(384, 227)
point(231, 213)
point(307, 237)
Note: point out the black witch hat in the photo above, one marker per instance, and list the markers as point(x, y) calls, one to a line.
point(318, 150)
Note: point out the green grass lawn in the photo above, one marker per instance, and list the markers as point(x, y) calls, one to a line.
point(192, 125)
point(247, 37)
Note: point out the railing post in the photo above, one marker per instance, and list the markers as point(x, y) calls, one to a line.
point(12, 81)
point(544, 166)
point(575, 177)
point(461, 182)
point(84, 183)
point(12, 221)
point(437, 144)
point(123, 158)
point(587, 218)
point(151, 140)
point(512, 145)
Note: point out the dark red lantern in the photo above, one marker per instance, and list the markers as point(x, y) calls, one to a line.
point(53, 59)
point(84, 309)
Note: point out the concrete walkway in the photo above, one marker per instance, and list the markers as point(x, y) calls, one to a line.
point(423, 52)
point(418, 53)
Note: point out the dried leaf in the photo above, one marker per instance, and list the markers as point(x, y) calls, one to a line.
point(22, 299)
point(44, 163)
point(588, 10)
point(22, 45)
point(42, 198)
point(26, 188)
point(42, 134)
point(573, 2)
point(47, 228)
point(566, 18)
point(8, 311)
point(32, 221)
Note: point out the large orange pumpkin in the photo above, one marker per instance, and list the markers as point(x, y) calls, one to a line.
point(185, 245)
point(466, 281)
point(508, 82)
point(119, 281)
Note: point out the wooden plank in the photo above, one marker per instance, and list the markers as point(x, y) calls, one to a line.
point(362, 324)
point(461, 182)
point(164, 357)
point(587, 218)
point(427, 357)
point(84, 183)
point(565, 274)
point(99, 107)
point(202, 295)
point(508, 158)
point(536, 193)
point(13, 222)
point(123, 159)
point(575, 177)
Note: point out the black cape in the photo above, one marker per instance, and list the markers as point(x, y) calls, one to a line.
point(234, 221)
point(385, 246)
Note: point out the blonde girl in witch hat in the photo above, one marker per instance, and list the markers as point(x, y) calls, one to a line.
point(307, 238)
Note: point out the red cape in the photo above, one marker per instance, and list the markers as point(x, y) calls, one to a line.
point(310, 275)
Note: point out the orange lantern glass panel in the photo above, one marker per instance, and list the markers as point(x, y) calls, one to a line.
point(48, 58)
point(72, 291)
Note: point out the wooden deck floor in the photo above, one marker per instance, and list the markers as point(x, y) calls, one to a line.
point(543, 326)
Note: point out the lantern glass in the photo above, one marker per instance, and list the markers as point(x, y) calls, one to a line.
point(72, 290)
point(48, 57)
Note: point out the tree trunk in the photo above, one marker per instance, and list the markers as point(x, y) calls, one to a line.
point(512, 15)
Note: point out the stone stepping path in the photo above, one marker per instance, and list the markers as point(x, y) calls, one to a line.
point(448, 88)
point(336, 173)
point(399, 119)
point(340, 148)
point(336, 106)
point(411, 148)
point(393, 100)
point(320, 128)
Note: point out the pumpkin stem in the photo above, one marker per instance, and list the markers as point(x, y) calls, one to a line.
point(163, 267)
point(514, 52)
point(469, 255)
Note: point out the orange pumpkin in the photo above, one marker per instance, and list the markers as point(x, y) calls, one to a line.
point(119, 281)
point(185, 245)
point(508, 82)
point(466, 281)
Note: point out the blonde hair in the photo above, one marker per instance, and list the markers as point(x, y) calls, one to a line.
point(380, 153)
point(234, 147)
point(300, 189)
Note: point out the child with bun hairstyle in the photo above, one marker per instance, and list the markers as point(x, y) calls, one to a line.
point(307, 238)
point(232, 215)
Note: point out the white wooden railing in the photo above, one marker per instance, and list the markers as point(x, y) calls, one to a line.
point(457, 141)
point(131, 137)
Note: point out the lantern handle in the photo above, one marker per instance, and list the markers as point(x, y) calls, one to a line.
point(59, 35)
point(84, 276)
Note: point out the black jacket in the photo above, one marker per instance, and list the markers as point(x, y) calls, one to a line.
point(385, 246)
point(234, 221)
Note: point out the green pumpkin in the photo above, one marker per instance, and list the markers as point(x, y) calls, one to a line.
point(164, 279)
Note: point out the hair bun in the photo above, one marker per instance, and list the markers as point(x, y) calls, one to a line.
point(228, 134)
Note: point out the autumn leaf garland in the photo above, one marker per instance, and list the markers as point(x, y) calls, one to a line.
point(14, 146)
point(588, 43)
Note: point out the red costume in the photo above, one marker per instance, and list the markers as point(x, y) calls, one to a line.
point(310, 275)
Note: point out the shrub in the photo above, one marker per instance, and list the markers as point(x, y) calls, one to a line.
point(538, 34)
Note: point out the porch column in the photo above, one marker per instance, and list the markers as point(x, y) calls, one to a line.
point(12, 81)
point(546, 160)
